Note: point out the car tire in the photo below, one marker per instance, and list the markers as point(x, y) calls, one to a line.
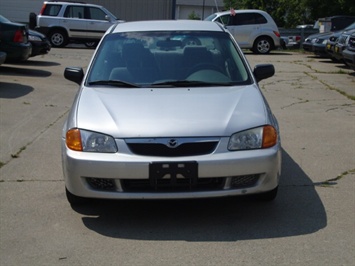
point(262, 45)
point(268, 196)
point(58, 38)
point(91, 45)
point(75, 200)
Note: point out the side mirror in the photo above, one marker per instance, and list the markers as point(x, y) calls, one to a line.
point(75, 74)
point(108, 18)
point(263, 71)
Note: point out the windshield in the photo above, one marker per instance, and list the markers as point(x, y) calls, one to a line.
point(4, 20)
point(168, 59)
point(210, 17)
point(108, 12)
point(350, 27)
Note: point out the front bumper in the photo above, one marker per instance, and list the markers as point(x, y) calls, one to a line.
point(221, 167)
point(319, 49)
point(349, 58)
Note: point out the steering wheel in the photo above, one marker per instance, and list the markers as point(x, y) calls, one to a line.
point(191, 41)
point(205, 66)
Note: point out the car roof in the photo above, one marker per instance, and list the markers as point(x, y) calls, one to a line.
point(168, 25)
point(73, 3)
point(241, 11)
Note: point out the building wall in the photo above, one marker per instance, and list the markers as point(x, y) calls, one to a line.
point(129, 10)
point(19, 10)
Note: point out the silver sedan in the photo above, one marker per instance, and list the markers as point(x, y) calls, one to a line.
point(170, 110)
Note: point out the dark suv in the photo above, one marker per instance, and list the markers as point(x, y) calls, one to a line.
point(63, 22)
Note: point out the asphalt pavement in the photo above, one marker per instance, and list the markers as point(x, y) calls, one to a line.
point(311, 222)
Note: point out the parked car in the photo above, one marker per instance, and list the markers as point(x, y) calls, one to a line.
point(14, 40)
point(2, 57)
point(330, 45)
point(290, 42)
point(341, 44)
point(63, 22)
point(334, 23)
point(317, 43)
point(253, 29)
point(305, 26)
point(159, 116)
point(40, 43)
point(349, 52)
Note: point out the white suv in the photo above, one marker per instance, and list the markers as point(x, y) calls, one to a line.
point(252, 29)
point(63, 22)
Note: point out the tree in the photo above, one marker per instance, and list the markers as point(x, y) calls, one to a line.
point(289, 13)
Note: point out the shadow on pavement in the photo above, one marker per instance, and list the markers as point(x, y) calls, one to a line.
point(297, 210)
point(13, 90)
point(18, 71)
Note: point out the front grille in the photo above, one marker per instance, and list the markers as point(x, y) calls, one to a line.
point(103, 184)
point(186, 149)
point(163, 185)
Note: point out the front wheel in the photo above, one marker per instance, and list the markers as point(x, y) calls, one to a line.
point(262, 45)
point(58, 38)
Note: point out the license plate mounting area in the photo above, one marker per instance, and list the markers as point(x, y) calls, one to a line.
point(171, 175)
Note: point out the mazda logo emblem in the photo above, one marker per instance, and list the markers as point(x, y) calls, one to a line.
point(172, 143)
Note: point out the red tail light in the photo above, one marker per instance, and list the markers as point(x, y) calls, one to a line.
point(298, 38)
point(277, 33)
point(42, 9)
point(19, 36)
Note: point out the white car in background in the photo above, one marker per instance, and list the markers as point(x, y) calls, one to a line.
point(63, 22)
point(253, 29)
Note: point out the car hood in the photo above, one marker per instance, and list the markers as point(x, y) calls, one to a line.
point(167, 112)
point(319, 35)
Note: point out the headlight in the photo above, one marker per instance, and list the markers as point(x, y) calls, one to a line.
point(34, 38)
point(324, 42)
point(256, 138)
point(82, 140)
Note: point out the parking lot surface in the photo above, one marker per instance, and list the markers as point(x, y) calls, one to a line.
point(311, 222)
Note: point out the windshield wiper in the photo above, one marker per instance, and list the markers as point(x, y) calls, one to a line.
point(115, 83)
point(189, 83)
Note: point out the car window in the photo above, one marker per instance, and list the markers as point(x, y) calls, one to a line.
point(151, 58)
point(225, 20)
point(96, 13)
point(74, 12)
point(248, 19)
point(51, 10)
point(260, 19)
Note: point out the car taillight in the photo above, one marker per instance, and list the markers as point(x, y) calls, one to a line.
point(277, 33)
point(42, 9)
point(19, 36)
point(298, 38)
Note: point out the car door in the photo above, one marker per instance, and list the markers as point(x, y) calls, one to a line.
point(241, 26)
point(74, 21)
point(98, 22)
point(245, 29)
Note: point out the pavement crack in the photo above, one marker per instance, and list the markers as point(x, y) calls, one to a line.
point(334, 181)
point(292, 104)
point(329, 87)
point(17, 154)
